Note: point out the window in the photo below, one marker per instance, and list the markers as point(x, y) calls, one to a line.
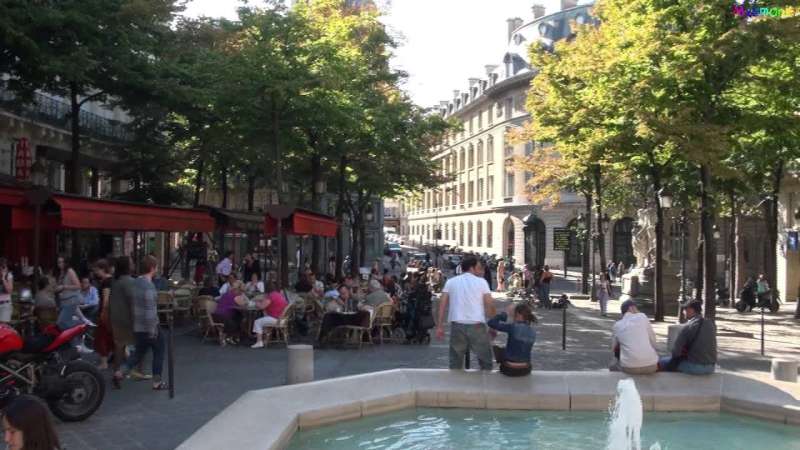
point(520, 103)
point(490, 115)
point(528, 148)
point(480, 119)
point(446, 231)
point(489, 149)
point(509, 106)
point(479, 234)
point(480, 152)
point(454, 194)
point(499, 109)
point(490, 188)
point(470, 193)
point(461, 158)
point(461, 193)
point(461, 234)
point(675, 241)
point(453, 162)
point(470, 125)
point(508, 150)
point(469, 234)
point(508, 188)
point(488, 233)
point(480, 190)
point(471, 157)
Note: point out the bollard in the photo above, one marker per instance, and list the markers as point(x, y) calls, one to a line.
point(301, 364)
point(564, 328)
point(171, 359)
point(784, 370)
point(672, 333)
point(466, 360)
point(762, 331)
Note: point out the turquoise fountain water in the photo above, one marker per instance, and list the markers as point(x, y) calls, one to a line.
point(627, 429)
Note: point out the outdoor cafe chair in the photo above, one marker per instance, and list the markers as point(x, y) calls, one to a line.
point(213, 327)
point(359, 331)
point(281, 328)
point(165, 305)
point(384, 320)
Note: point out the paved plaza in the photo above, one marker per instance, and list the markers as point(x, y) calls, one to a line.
point(209, 377)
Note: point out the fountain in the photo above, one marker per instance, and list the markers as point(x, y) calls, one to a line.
point(626, 419)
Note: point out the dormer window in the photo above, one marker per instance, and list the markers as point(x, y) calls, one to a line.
point(519, 39)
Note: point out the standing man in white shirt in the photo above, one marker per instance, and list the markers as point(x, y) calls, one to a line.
point(470, 302)
point(636, 340)
point(224, 267)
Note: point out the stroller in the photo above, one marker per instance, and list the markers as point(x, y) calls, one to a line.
point(416, 315)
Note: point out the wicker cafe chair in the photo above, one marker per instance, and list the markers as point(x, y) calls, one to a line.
point(213, 327)
point(166, 305)
point(359, 331)
point(281, 329)
point(182, 301)
point(198, 308)
point(384, 320)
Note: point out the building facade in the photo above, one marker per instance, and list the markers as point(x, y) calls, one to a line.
point(484, 206)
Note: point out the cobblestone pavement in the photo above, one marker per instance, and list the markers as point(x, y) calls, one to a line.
point(208, 377)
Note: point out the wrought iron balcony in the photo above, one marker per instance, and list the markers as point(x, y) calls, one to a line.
point(56, 112)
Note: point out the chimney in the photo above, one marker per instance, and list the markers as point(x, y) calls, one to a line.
point(489, 69)
point(567, 4)
point(513, 24)
point(538, 10)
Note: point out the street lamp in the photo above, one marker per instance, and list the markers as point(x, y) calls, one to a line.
point(369, 215)
point(715, 229)
point(665, 198)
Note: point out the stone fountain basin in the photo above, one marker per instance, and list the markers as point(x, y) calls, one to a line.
point(267, 419)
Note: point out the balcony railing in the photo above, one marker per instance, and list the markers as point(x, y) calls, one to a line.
point(56, 112)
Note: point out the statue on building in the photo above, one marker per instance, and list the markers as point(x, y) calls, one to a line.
point(644, 239)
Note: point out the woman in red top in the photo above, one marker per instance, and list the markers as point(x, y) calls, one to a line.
point(273, 305)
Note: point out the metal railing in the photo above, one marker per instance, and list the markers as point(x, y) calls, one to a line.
point(56, 112)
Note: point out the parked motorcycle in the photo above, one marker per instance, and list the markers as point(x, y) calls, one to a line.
point(49, 367)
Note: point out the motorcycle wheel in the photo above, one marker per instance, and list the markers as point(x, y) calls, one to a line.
point(741, 307)
point(84, 392)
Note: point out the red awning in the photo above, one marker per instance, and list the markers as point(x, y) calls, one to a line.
point(303, 222)
point(12, 197)
point(94, 214)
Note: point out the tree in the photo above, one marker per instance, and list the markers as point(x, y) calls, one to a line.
point(92, 50)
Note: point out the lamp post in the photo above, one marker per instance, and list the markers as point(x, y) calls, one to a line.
point(665, 202)
point(683, 222)
point(38, 197)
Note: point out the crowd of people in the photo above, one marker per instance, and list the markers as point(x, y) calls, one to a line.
point(466, 304)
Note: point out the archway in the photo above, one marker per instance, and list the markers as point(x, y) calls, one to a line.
point(535, 241)
point(573, 254)
point(508, 238)
point(623, 246)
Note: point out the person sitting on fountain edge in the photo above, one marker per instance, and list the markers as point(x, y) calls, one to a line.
point(695, 349)
point(634, 342)
point(515, 358)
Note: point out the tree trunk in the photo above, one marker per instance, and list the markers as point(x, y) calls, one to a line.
point(771, 266)
point(355, 248)
point(251, 192)
point(738, 243)
point(223, 181)
point(198, 181)
point(699, 280)
point(363, 238)
point(340, 217)
point(74, 183)
point(601, 235)
point(316, 200)
point(709, 244)
point(658, 281)
point(732, 250)
point(586, 253)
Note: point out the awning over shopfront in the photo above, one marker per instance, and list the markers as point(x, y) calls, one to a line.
point(81, 213)
point(237, 220)
point(302, 222)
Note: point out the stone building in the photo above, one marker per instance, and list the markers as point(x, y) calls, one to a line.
point(485, 206)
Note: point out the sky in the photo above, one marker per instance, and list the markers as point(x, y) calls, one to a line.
point(442, 43)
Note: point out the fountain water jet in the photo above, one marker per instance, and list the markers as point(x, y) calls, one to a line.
point(626, 419)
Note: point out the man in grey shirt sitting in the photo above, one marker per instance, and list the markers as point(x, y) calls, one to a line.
point(695, 348)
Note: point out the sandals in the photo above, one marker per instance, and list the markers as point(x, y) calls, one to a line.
point(160, 386)
point(139, 376)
